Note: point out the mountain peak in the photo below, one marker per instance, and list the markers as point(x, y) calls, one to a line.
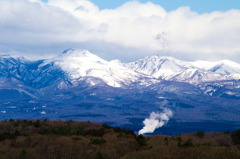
point(160, 58)
point(158, 66)
point(223, 67)
point(78, 55)
point(166, 57)
point(79, 64)
point(77, 52)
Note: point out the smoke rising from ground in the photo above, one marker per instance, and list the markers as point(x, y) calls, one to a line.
point(156, 120)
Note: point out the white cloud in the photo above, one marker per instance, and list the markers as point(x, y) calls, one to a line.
point(134, 29)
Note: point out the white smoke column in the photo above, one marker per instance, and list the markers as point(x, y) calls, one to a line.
point(156, 120)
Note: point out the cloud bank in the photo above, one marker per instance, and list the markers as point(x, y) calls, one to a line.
point(130, 31)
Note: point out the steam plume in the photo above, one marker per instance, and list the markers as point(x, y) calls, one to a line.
point(156, 120)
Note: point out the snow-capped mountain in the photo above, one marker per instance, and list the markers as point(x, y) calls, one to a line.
point(79, 64)
point(169, 68)
point(74, 66)
point(78, 85)
point(223, 67)
point(158, 66)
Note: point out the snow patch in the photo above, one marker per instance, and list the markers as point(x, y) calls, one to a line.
point(43, 112)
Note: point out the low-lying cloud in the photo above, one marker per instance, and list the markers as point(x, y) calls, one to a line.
point(32, 27)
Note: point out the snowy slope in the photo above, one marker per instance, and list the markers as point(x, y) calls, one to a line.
point(32, 73)
point(223, 67)
point(10, 64)
point(169, 68)
point(195, 76)
point(78, 64)
point(159, 67)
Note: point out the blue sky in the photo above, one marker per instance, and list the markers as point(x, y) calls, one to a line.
point(200, 6)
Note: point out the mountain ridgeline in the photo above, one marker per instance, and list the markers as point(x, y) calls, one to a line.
point(79, 85)
point(75, 65)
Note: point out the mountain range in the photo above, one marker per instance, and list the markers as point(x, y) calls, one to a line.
point(78, 85)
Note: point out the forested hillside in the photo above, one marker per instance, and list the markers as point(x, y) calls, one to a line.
point(35, 139)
